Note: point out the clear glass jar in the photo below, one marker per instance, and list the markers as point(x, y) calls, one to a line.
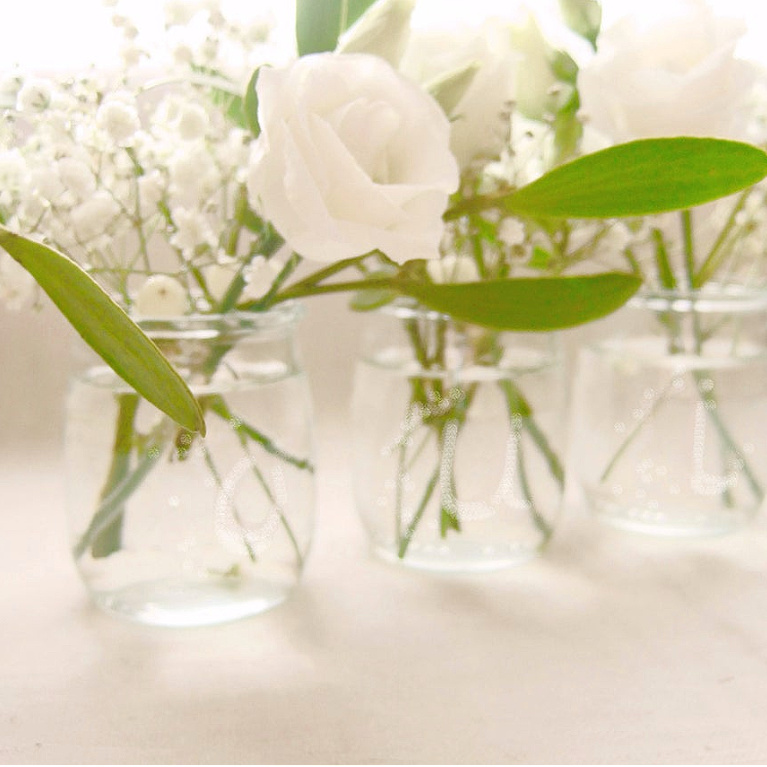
point(458, 433)
point(670, 418)
point(172, 529)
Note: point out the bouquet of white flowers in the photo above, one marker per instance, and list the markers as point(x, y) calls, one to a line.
point(203, 192)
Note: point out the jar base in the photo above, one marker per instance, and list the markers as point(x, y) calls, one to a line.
point(179, 603)
point(671, 523)
point(465, 559)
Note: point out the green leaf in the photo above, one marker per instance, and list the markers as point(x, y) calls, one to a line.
point(584, 17)
point(634, 179)
point(524, 303)
point(367, 300)
point(107, 329)
point(319, 23)
point(540, 259)
point(250, 105)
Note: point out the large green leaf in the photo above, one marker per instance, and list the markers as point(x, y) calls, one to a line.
point(634, 179)
point(107, 329)
point(319, 23)
point(525, 303)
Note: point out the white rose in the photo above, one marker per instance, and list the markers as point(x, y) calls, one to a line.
point(352, 157)
point(480, 121)
point(677, 76)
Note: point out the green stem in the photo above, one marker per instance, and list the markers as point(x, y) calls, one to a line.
point(411, 528)
point(715, 256)
point(538, 519)
point(213, 469)
point(217, 405)
point(111, 507)
point(243, 439)
point(109, 538)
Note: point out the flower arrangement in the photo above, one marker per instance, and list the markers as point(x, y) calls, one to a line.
point(650, 78)
point(204, 191)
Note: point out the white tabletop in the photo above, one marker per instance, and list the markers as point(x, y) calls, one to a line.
point(609, 648)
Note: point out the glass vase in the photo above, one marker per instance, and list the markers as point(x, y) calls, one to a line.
point(172, 529)
point(457, 434)
point(671, 416)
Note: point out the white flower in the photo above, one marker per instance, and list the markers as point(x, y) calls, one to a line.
point(677, 76)
point(47, 183)
point(92, 217)
point(151, 188)
point(119, 118)
point(511, 231)
point(480, 121)
point(352, 157)
point(193, 172)
point(13, 169)
point(218, 278)
point(34, 96)
point(192, 122)
point(452, 268)
point(533, 86)
point(76, 176)
point(161, 296)
point(179, 12)
point(259, 275)
point(192, 230)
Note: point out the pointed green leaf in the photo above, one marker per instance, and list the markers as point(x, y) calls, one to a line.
point(525, 304)
point(106, 328)
point(319, 23)
point(641, 178)
point(584, 17)
point(634, 179)
point(250, 105)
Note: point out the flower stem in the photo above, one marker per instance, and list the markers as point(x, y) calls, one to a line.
point(109, 538)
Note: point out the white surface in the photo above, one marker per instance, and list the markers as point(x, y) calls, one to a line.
point(610, 648)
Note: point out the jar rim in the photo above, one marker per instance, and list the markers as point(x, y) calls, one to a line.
point(234, 323)
point(713, 298)
point(404, 308)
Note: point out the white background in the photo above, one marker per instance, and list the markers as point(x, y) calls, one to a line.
point(47, 34)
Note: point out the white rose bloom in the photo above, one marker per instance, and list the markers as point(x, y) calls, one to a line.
point(352, 157)
point(92, 217)
point(677, 76)
point(452, 268)
point(161, 296)
point(480, 121)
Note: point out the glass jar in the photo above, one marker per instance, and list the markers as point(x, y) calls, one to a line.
point(670, 418)
point(458, 432)
point(172, 529)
